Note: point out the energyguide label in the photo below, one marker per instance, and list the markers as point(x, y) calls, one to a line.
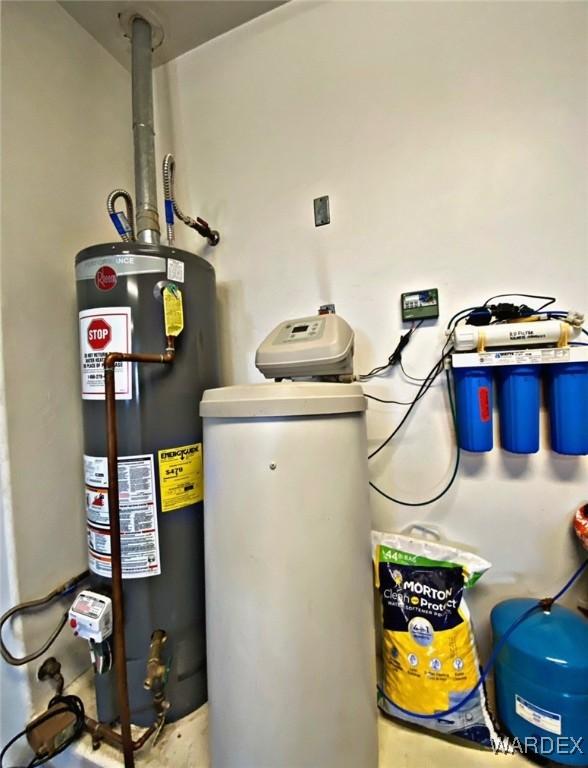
point(180, 476)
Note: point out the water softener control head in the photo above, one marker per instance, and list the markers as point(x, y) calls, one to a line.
point(314, 347)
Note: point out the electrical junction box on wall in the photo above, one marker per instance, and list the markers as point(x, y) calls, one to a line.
point(322, 212)
point(420, 305)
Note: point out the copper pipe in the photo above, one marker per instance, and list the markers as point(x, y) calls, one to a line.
point(119, 643)
point(101, 732)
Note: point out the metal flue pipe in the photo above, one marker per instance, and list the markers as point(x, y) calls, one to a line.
point(144, 133)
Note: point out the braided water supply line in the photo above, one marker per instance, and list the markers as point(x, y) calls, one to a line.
point(126, 234)
point(200, 225)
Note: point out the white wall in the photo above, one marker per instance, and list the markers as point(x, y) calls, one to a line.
point(66, 142)
point(451, 138)
point(14, 693)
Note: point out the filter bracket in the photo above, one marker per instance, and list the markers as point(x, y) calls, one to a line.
point(532, 356)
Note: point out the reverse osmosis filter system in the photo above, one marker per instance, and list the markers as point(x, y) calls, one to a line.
point(288, 586)
point(514, 359)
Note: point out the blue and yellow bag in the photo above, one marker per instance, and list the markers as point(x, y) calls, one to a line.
point(430, 662)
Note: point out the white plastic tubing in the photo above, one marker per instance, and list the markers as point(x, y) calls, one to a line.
point(470, 337)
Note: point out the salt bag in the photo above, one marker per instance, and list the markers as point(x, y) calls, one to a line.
point(430, 662)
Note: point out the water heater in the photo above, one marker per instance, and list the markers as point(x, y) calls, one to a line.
point(119, 288)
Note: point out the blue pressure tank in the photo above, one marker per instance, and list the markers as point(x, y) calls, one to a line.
point(541, 679)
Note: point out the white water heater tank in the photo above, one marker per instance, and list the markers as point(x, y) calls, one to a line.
point(289, 599)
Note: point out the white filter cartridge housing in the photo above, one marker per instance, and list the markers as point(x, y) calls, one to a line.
point(470, 337)
point(291, 670)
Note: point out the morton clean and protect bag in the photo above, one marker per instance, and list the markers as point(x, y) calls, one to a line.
point(430, 663)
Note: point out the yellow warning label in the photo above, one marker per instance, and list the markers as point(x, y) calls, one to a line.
point(180, 476)
point(173, 310)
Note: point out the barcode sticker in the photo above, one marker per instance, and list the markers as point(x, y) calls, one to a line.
point(175, 270)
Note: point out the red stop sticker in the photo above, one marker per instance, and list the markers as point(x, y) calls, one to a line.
point(484, 399)
point(99, 334)
point(105, 278)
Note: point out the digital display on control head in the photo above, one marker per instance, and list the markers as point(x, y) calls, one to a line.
point(299, 328)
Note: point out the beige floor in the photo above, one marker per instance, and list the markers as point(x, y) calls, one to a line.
point(185, 745)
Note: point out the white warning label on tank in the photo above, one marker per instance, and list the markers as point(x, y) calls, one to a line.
point(97, 507)
point(138, 516)
point(542, 718)
point(96, 471)
point(105, 330)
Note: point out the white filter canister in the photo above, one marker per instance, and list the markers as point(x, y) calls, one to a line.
point(469, 337)
point(289, 598)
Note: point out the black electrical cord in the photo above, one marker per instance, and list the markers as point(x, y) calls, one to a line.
point(423, 389)
point(421, 393)
point(462, 314)
point(455, 466)
point(412, 379)
point(72, 704)
point(426, 382)
point(391, 402)
point(550, 299)
point(395, 358)
point(425, 386)
point(41, 602)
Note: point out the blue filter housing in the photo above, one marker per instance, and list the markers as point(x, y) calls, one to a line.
point(473, 405)
point(541, 677)
point(568, 407)
point(519, 397)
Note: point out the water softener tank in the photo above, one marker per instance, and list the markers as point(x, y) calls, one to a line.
point(160, 458)
point(542, 679)
point(288, 577)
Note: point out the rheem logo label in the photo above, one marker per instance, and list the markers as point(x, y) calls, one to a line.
point(99, 334)
point(105, 278)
